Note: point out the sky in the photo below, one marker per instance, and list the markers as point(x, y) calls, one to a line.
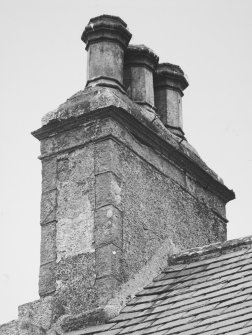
point(43, 62)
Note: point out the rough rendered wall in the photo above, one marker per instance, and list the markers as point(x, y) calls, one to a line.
point(109, 203)
point(155, 208)
point(10, 328)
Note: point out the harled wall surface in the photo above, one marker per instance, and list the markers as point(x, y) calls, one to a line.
point(108, 204)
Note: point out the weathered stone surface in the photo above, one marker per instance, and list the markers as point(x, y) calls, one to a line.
point(48, 207)
point(106, 59)
point(106, 37)
point(39, 313)
point(47, 280)
point(48, 243)
point(170, 108)
point(169, 83)
point(108, 226)
point(106, 288)
point(106, 157)
point(75, 284)
point(108, 190)
point(108, 261)
point(69, 139)
point(93, 317)
point(10, 328)
point(155, 209)
point(139, 65)
point(118, 201)
point(49, 174)
point(75, 209)
point(94, 100)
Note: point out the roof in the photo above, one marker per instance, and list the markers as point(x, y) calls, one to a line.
point(206, 291)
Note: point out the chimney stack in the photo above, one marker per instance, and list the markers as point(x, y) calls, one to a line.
point(120, 194)
point(106, 38)
point(169, 83)
point(140, 63)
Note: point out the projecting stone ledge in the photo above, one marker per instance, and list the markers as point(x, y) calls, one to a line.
point(100, 102)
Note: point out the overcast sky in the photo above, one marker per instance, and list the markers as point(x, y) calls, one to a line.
point(43, 62)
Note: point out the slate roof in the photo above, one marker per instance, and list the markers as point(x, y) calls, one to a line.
point(205, 291)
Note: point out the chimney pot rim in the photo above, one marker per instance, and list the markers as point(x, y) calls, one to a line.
point(101, 29)
point(169, 66)
point(137, 54)
point(172, 72)
point(108, 17)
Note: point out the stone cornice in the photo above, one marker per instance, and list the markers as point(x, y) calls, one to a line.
point(145, 130)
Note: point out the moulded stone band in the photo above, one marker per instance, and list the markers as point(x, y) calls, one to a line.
point(146, 104)
point(107, 82)
point(166, 83)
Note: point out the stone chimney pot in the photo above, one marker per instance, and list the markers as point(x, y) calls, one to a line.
point(106, 38)
point(140, 63)
point(169, 84)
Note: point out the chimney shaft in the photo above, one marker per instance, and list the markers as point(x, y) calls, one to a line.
point(169, 83)
point(140, 63)
point(119, 193)
point(106, 38)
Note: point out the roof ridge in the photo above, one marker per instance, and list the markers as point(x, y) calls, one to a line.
point(210, 250)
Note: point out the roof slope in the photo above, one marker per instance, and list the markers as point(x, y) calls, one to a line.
point(205, 291)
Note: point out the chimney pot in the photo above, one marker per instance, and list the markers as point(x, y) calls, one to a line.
point(139, 65)
point(169, 83)
point(106, 38)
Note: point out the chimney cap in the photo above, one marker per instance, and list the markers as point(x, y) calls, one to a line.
point(168, 74)
point(140, 55)
point(109, 18)
point(106, 27)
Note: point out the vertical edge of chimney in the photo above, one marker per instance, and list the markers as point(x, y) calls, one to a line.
point(139, 65)
point(106, 37)
point(169, 84)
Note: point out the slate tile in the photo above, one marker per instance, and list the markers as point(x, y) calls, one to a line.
point(211, 296)
point(243, 331)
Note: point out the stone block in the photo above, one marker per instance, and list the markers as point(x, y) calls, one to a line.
point(76, 235)
point(39, 312)
point(63, 169)
point(48, 243)
point(75, 187)
point(47, 282)
point(68, 139)
point(75, 284)
point(107, 157)
point(10, 328)
point(108, 261)
point(108, 226)
point(49, 174)
point(106, 289)
point(48, 207)
point(108, 190)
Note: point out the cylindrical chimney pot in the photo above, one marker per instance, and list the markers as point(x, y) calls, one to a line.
point(106, 38)
point(139, 65)
point(169, 83)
